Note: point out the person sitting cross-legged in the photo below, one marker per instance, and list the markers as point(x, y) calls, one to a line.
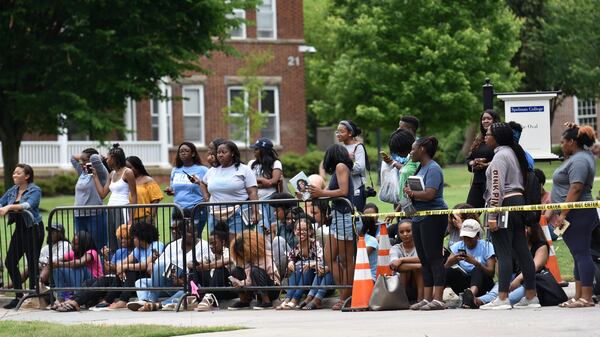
point(471, 264)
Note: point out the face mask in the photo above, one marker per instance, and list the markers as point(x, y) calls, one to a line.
point(401, 160)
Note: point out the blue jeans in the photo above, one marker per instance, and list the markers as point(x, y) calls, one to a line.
point(514, 296)
point(96, 225)
point(299, 278)
point(325, 280)
point(156, 280)
point(235, 223)
point(199, 214)
point(69, 278)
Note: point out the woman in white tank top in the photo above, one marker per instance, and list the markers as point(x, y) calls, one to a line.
point(122, 188)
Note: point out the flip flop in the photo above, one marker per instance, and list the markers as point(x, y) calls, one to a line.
point(311, 306)
point(567, 303)
point(67, 307)
point(338, 305)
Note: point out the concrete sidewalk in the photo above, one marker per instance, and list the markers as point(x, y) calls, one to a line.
point(548, 321)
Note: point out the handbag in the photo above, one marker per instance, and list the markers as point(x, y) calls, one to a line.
point(407, 207)
point(388, 294)
point(548, 290)
point(223, 213)
point(389, 184)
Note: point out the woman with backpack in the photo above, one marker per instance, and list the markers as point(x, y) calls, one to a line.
point(346, 134)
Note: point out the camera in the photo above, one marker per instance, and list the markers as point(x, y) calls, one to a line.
point(370, 192)
point(88, 169)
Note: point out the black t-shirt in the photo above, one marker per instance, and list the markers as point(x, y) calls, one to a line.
point(481, 151)
point(534, 247)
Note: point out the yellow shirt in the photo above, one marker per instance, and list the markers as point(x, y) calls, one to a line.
point(147, 193)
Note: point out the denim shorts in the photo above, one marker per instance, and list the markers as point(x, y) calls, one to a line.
point(341, 226)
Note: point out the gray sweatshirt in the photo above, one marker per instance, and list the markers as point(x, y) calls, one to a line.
point(503, 177)
point(359, 169)
point(85, 189)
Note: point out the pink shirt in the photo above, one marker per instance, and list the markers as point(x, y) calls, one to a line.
point(94, 266)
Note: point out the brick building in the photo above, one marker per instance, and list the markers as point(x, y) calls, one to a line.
point(157, 127)
point(574, 109)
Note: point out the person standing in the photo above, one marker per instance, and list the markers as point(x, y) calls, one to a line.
point(573, 181)
point(429, 231)
point(122, 189)
point(28, 236)
point(187, 172)
point(148, 191)
point(92, 221)
point(269, 173)
point(480, 156)
point(506, 180)
point(346, 134)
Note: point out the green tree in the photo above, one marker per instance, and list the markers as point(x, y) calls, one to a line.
point(571, 37)
point(78, 60)
point(424, 58)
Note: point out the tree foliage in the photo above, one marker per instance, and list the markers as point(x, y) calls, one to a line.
point(425, 58)
point(78, 60)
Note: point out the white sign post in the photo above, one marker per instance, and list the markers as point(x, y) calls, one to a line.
point(532, 111)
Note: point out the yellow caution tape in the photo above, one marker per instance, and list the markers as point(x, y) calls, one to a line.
point(544, 207)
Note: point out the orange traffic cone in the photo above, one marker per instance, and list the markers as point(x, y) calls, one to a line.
point(552, 263)
point(383, 252)
point(362, 287)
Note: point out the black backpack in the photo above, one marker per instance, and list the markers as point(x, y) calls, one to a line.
point(533, 196)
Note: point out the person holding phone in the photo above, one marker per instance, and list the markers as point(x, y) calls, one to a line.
point(480, 155)
point(185, 176)
point(86, 194)
point(471, 265)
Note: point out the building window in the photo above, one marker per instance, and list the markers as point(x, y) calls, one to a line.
point(238, 32)
point(586, 112)
point(268, 104)
point(193, 114)
point(130, 120)
point(266, 20)
point(154, 103)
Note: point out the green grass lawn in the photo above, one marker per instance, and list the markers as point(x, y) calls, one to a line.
point(457, 180)
point(28, 329)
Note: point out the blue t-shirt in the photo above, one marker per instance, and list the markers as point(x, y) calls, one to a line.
point(433, 177)
point(142, 254)
point(372, 242)
point(187, 194)
point(120, 255)
point(482, 252)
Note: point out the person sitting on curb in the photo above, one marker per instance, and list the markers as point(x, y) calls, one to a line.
point(405, 262)
point(471, 264)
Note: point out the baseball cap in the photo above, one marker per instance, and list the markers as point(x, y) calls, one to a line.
point(262, 143)
point(470, 228)
point(57, 227)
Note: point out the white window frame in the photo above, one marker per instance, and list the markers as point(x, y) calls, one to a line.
point(131, 120)
point(168, 93)
point(229, 98)
point(579, 117)
point(200, 114)
point(274, 20)
point(275, 113)
point(241, 14)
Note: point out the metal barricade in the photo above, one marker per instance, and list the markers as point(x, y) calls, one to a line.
point(114, 251)
point(20, 243)
point(260, 246)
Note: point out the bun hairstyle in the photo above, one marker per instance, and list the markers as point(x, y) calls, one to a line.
point(118, 156)
point(430, 144)
point(504, 136)
point(584, 135)
point(354, 130)
point(401, 141)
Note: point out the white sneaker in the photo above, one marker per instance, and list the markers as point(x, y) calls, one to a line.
point(524, 303)
point(497, 304)
point(209, 302)
point(135, 305)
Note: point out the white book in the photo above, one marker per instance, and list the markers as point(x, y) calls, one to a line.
point(415, 183)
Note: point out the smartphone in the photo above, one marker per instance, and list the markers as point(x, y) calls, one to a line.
point(383, 154)
point(191, 179)
point(231, 279)
point(88, 169)
point(462, 252)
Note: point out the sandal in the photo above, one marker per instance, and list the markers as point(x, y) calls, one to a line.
point(70, 306)
point(338, 305)
point(567, 303)
point(150, 306)
point(288, 306)
point(311, 306)
point(282, 305)
point(580, 303)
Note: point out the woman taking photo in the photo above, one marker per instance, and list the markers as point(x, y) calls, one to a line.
point(572, 181)
point(339, 250)
point(346, 134)
point(428, 231)
point(122, 189)
point(479, 158)
point(90, 220)
point(269, 173)
point(148, 191)
point(187, 172)
point(506, 180)
point(27, 237)
point(230, 183)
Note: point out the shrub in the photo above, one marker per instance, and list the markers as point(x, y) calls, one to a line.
point(65, 183)
point(48, 187)
point(293, 163)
